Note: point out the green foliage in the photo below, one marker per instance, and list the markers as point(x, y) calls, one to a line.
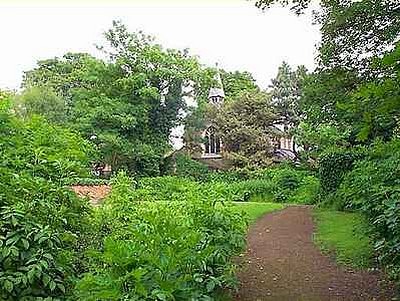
point(317, 139)
point(39, 218)
point(28, 266)
point(374, 108)
point(236, 83)
point(286, 92)
point(41, 223)
point(373, 188)
point(351, 99)
point(283, 184)
point(183, 165)
point(36, 147)
point(167, 188)
point(162, 250)
point(333, 166)
point(227, 176)
point(41, 233)
point(346, 235)
point(290, 185)
point(246, 125)
point(128, 105)
point(41, 101)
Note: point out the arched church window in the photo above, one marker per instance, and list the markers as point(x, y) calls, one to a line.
point(212, 145)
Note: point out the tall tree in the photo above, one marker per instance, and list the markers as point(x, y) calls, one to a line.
point(354, 87)
point(128, 105)
point(374, 107)
point(41, 101)
point(286, 92)
point(246, 128)
point(237, 82)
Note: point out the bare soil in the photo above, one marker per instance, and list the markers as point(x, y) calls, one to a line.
point(282, 263)
point(95, 193)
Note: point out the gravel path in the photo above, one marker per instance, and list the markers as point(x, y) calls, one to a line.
point(282, 263)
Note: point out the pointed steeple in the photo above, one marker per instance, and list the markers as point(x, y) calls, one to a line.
point(217, 94)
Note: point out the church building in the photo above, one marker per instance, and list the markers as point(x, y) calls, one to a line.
point(212, 153)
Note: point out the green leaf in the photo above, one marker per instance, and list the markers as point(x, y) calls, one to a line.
point(61, 287)
point(210, 286)
point(46, 279)
point(31, 275)
point(25, 243)
point(6, 252)
point(52, 285)
point(8, 286)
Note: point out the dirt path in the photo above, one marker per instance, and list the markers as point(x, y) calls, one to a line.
point(282, 263)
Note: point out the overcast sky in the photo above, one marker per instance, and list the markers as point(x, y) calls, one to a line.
point(231, 32)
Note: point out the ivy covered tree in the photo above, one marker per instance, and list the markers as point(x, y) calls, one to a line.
point(246, 125)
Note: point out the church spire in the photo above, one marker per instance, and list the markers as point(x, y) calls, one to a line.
point(217, 94)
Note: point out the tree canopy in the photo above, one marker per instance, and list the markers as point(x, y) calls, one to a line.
point(127, 105)
point(246, 125)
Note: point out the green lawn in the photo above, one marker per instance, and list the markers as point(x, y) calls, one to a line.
point(256, 210)
point(344, 235)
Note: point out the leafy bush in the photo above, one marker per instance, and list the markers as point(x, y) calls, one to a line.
point(244, 191)
point(283, 184)
point(162, 250)
point(168, 188)
point(308, 191)
point(28, 266)
point(43, 150)
point(184, 166)
point(280, 184)
point(42, 224)
point(333, 166)
point(373, 188)
point(32, 208)
point(230, 176)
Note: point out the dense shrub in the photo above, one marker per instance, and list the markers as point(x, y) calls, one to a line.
point(38, 218)
point(182, 165)
point(42, 150)
point(230, 176)
point(27, 259)
point(281, 184)
point(167, 188)
point(373, 188)
point(42, 224)
point(307, 192)
point(162, 250)
point(333, 166)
